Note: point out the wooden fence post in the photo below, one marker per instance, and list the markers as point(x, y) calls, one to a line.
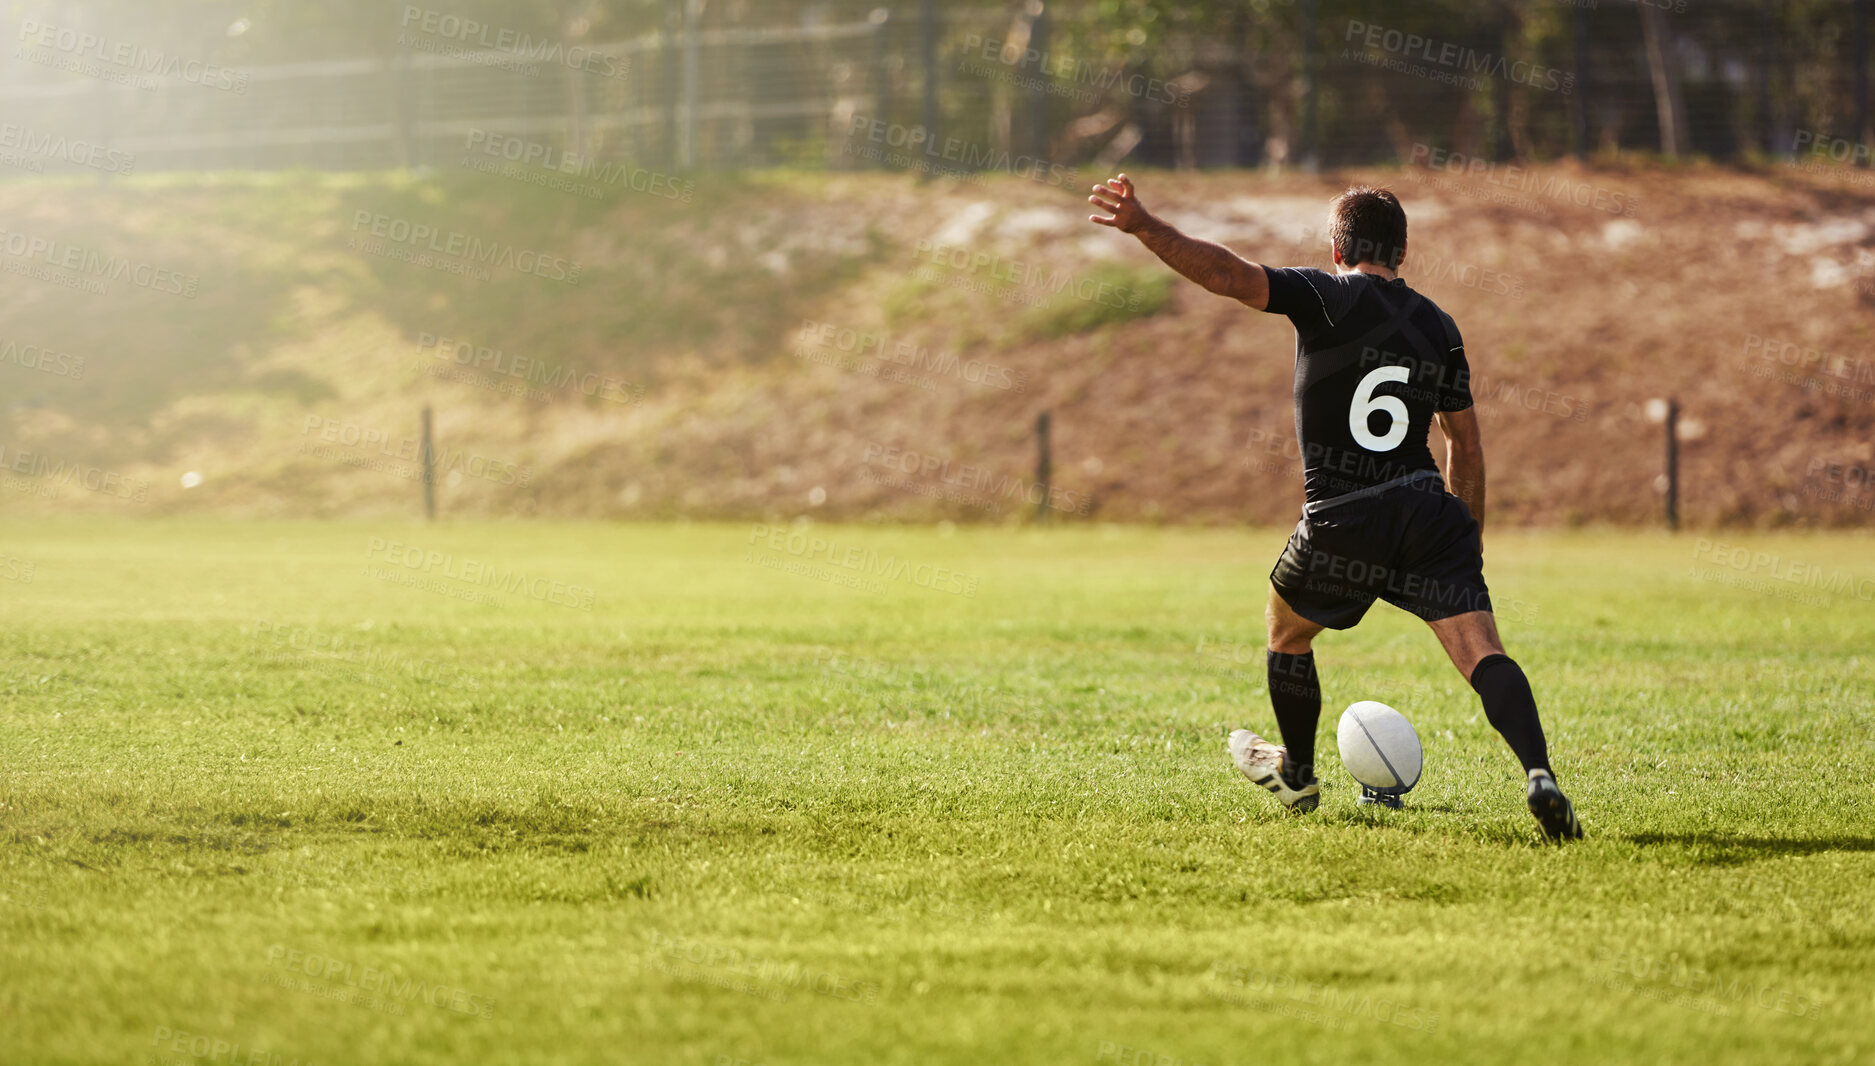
point(928, 31)
point(1581, 103)
point(1044, 465)
point(1673, 465)
point(429, 469)
point(693, 29)
point(1858, 78)
point(883, 25)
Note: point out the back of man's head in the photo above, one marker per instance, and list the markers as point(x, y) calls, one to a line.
point(1368, 226)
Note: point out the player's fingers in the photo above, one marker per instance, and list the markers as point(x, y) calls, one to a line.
point(1127, 184)
point(1103, 221)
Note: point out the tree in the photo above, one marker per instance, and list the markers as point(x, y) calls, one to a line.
point(1663, 65)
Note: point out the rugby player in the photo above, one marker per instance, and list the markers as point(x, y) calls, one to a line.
point(1376, 364)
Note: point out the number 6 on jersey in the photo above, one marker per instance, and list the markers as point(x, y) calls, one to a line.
point(1365, 403)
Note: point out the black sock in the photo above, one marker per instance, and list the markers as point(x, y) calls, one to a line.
point(1296, 694)
point(1511, 708)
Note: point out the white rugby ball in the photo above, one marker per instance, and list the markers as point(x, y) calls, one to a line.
point(1379, 747)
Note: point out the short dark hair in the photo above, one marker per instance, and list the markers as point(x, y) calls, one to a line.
point(1368, 226)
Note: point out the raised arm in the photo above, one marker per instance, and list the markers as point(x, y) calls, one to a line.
point(1213, 266)
point(1464, 460)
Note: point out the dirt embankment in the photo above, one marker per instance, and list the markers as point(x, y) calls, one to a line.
point(858, 347)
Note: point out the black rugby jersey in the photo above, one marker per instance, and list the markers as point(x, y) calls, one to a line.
point(1374, 361)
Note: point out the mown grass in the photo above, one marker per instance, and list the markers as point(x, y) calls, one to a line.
point(737, 813)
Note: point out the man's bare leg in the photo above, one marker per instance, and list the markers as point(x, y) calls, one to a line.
point(1290, 633)
point(1468, 638)
point(1287, 772)
point(1295, 688)
point(1472, 642)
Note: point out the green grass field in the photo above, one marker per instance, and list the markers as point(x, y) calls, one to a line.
point(271, 792)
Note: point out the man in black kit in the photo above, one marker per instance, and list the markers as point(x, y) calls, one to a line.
point(1376, 362)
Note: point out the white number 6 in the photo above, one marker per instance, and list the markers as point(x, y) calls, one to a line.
point(1365, 403)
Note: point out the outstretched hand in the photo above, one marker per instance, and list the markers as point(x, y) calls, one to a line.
point(1117, 198)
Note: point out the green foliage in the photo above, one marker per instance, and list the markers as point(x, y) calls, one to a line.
point(1106, 295)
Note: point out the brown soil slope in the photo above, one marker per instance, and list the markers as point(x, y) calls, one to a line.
point(871, 347)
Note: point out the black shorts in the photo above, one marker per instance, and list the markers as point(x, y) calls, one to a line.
point(1414, 545)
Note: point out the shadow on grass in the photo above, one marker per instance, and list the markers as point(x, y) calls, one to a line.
point(1718, 849)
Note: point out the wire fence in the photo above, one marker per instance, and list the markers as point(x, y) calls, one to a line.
point(750, 93)
point(939, 88)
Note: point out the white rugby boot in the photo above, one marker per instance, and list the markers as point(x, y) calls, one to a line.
point(1268, 765)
